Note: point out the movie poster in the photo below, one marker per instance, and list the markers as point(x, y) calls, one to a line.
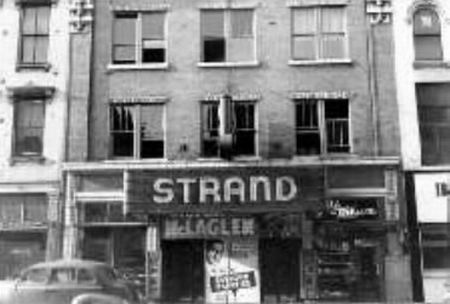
point(231, 271)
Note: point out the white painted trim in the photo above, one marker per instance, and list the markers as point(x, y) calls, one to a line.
point(143, 165)
point(304, 3)
point(99, 196)
point(243, 64)
point(360, 192)
point(320, 62)
point(139, 66)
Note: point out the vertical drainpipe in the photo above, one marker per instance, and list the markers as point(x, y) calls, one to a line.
point(373, 89)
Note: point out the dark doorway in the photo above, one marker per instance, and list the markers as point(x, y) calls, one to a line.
point(280, 270)
point(183, 271)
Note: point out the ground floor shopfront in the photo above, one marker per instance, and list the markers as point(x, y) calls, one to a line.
point(29, 233)
point(429, 223)
point(243, 234)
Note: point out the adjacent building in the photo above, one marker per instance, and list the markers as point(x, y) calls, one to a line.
point(33, 105)
point(422, 38)
point(238, 151)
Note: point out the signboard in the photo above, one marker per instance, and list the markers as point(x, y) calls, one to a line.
point(198, 226)
point(432, 197)
point(231, 271)
point(350, 209)
point(220, 187)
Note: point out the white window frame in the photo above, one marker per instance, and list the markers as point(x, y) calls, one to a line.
point(138, 43)
point(322, 127)
point(227, 32)
point(317, 40)
point(136, 135)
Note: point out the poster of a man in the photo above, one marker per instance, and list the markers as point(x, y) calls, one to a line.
point(215, 250)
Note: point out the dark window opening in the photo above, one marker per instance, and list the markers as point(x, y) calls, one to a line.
point(214, 50)
point(153, 55)
point(427, 35)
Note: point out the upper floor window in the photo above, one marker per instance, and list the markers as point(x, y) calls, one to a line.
point(137, 130)
point(34, 36)
point(243, 128)
point(29, 124)
point(427, 35)
point(319, 33)
point(139, 37)
point(322, 126)
point(227, 35)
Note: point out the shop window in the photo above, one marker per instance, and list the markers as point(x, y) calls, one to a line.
point(137, 131)
point(139, 37)
point(23, 209)
point(29, 122)
point(243, 129)
point(322, 126)
point(434, 122)
point(427, 34)
point(319, 33)
point(227, 35)
point(34, 36)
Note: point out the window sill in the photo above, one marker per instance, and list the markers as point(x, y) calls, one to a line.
point(246, 64)
point(233, 159)
point(30, 66)
point(134, 160)
point(132, 67)
point(424, 64)
point(320, 62)
point(35, 159)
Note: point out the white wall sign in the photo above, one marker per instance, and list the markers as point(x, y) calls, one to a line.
point(432, 197)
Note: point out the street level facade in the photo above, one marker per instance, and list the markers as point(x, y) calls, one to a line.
point(33, 101)
point(238, 151)
point(423, 84)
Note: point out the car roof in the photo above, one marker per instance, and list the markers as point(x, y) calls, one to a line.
point(69, 263)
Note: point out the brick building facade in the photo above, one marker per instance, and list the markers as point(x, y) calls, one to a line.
point(243, 151)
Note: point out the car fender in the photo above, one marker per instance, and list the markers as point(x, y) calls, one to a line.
point(97, 298)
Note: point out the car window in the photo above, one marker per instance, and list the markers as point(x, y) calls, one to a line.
point(63, 275)
point(36, 275)
point(107, 274)
point(85, 276)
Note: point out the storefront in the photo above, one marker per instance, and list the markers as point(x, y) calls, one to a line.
point(430, 209)
point(240, 234)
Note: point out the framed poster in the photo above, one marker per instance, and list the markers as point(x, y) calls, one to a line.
point(231, 271)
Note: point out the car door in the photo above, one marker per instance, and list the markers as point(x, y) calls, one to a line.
point(64, 284)
point(31, 287)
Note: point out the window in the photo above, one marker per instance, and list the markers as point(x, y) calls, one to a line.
point(29, 127)
point(319, 33)
point(227, 35)
point(23, 209)
point(322, 126)
point(427, 35)
point(434, 121)
point(139, 37)
point(137, 130)
point(34, 34)
point(243, 129)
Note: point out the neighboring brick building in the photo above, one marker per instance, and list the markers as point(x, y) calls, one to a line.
point(33, 102)
point(423, 89)
point(239, 151)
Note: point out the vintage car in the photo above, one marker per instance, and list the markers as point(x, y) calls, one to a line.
point(59, 282)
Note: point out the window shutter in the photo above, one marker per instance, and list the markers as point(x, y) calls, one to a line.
point(212, 24)
point(153, 26)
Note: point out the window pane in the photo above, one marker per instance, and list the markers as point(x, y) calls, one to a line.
point(152, 131)
point(124, 54)
point(214, 50)
point(122, 123)
point(244, 113)
point(11, 209)
point(153, 26)
point(43, 18)
point(125, 30)
point(426, 21)
point(241, 23)
point(308, 143)
point(304, 48)
point(35, 208)
point(210, 133)
point(428, 47)
point(212, 24)
point(29, 20)
point(29, 124)
point(333, 46)
point(63, 275)
point(304, 21)
point(153, 51)
point(332, 20)
point(307, 115)
point(28, 46)
point(336, 117)
point(244, 143)
point(241, 50)
point(41, 49)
